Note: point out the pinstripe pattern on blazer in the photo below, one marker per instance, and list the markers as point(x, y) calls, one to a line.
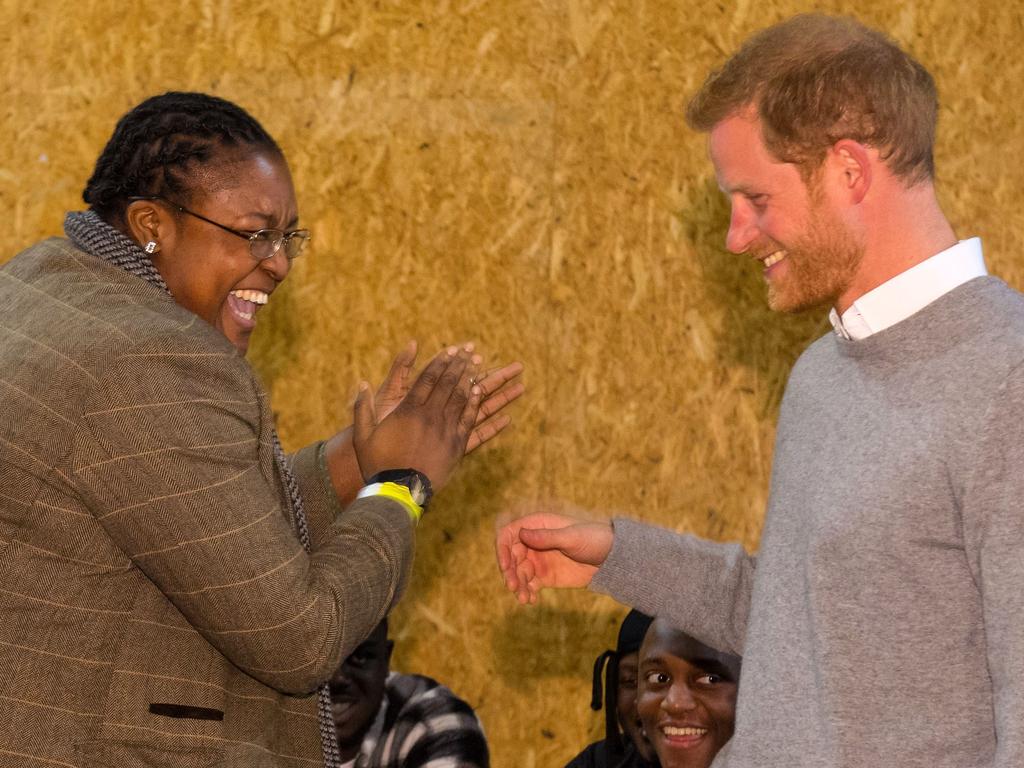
point(148, 554)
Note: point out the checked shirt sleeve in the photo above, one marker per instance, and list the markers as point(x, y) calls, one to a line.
point(424, 725)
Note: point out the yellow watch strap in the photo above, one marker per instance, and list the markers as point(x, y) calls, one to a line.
point(395, 492)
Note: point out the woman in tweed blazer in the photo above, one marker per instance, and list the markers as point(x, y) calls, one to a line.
point(157, 604)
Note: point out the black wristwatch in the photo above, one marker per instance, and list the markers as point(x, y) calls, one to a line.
point(417, 483)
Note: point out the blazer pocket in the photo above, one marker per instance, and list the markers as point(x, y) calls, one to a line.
point(111, 754)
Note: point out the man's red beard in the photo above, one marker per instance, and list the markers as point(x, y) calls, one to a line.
point(818, 267)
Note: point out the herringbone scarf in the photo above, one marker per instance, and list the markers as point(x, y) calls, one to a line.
point(93, 235)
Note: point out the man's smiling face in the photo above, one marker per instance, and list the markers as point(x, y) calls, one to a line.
point(686, 698)
point(809, 257)
point(357, 689)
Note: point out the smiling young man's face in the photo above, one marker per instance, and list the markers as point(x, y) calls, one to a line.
point(357, 689)
point(626, 704)
point(686, 698)
point(212, 272)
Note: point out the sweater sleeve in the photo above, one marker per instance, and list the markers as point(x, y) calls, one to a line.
point(173, 457)
point(700, 586)
point(993, 524)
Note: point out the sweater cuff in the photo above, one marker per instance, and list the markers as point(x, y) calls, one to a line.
point(656, 570)
point(702, 587)
point(622, 576)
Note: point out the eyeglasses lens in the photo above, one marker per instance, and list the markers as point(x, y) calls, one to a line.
point(295, 243)
point(265, 243)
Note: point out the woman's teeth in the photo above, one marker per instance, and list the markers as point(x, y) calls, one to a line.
point(256, 297)
point(245, 302)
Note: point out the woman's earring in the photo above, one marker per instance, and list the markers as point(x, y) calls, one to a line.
point(151, 247)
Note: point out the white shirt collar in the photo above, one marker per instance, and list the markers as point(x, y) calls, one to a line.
point(910, 291)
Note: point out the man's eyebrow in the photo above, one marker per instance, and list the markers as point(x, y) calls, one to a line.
point(747, 190)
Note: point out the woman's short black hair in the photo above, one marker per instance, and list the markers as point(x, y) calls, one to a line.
point(156, 146)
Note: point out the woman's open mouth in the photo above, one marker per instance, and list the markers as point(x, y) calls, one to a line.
point(245, 303)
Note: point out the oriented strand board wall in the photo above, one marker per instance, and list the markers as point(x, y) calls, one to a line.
point(516, 172)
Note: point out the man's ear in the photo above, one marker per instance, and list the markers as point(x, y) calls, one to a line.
point(851, 163)
point(147, 222)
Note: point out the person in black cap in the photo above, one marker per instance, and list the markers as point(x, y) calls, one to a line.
point(628, 747)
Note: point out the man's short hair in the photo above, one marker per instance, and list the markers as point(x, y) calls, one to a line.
point(816, 79)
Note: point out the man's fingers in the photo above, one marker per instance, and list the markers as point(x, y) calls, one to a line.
point(525, 573)
point(501, 547)
point(544, 538)
point(511, 554)
point(509, 571)
point(530, 583)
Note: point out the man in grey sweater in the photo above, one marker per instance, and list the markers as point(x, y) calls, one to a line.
point(882, 623)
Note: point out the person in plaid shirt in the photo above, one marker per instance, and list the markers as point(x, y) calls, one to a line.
point(388, 720)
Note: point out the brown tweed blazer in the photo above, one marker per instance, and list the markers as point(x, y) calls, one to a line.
point(156, 607)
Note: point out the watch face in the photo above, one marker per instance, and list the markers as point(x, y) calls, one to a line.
point(416, 489)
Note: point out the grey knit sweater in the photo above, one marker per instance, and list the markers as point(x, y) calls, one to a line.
point(882, 623)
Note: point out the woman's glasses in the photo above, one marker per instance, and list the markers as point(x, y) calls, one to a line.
point(263, 243)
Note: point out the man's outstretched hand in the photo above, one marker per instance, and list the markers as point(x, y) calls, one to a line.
point(547, 549)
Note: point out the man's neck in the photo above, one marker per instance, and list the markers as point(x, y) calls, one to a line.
point(901, 230)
